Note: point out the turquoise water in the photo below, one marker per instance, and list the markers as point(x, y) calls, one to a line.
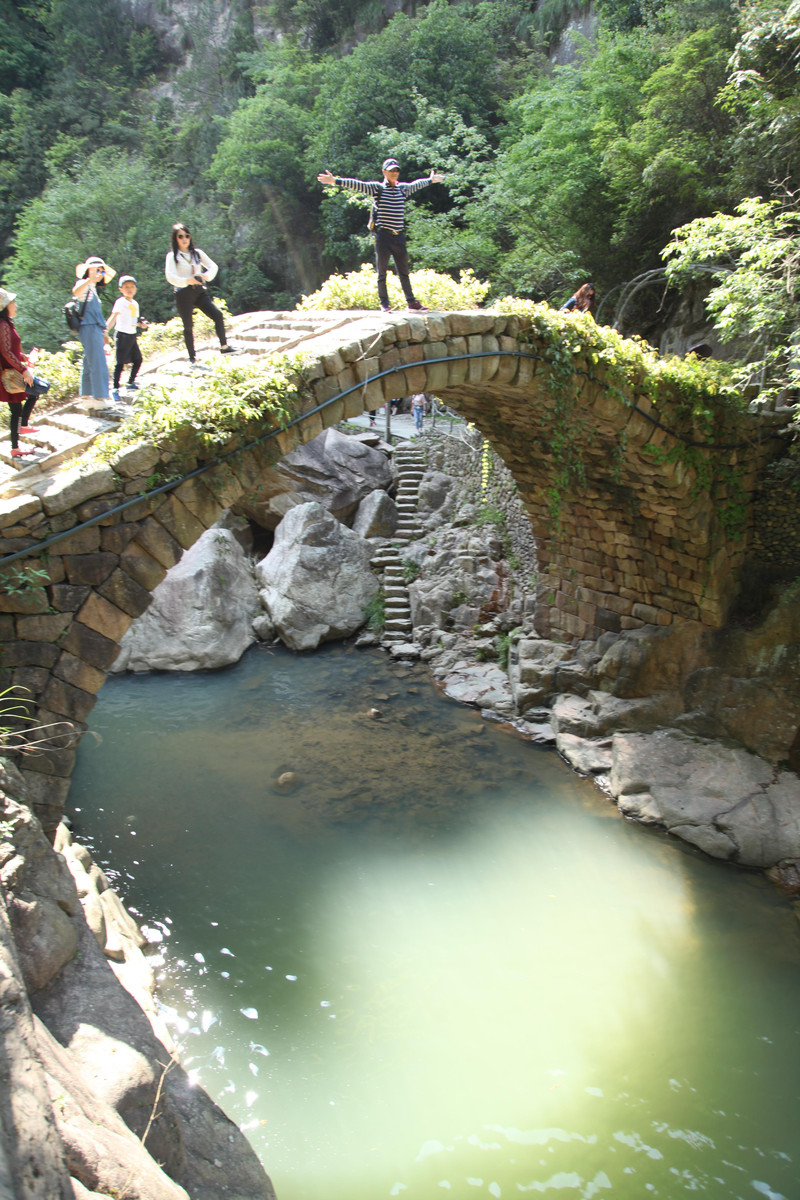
point(435, 961)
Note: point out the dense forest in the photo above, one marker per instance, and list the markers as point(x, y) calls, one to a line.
point(574, 138)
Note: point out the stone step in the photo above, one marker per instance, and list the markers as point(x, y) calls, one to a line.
point(52, 438)
point(398, 626)
point(81, 423)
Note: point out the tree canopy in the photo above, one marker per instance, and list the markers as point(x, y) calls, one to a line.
point(567, 155)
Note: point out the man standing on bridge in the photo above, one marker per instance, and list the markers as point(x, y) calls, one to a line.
point(388, 223)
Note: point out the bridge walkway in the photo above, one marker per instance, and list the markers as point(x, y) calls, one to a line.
point(66, 432)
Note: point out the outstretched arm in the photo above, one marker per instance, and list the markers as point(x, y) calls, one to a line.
point(326, 178)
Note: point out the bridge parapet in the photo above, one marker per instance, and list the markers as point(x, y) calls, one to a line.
point(630, 501)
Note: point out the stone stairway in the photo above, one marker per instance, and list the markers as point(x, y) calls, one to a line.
point(409, 463)
point(66, 432)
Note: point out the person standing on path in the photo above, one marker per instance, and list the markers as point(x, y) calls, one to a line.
point(418, 409)
point(125, 316)
point(20, 404)
point(93, 275)
point(388, 223)
point(189, 270)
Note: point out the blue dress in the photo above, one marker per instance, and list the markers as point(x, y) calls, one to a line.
point(94, 369)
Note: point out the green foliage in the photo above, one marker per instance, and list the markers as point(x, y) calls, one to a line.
point(411, 570)
point(375, 612)
point(111, 209)
point(359, 289)
point(236, 400)
point(764, 92)
point(15, 580)
point(698, 400)
point(753, 257)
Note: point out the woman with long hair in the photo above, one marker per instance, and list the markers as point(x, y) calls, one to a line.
point(582, 301)
point(93, 275)
point(189, 270)
point(11, 355)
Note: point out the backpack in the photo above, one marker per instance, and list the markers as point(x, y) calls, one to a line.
point(73, 313)
point(372, 223)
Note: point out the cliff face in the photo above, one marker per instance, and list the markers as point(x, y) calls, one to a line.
point(91, 1100)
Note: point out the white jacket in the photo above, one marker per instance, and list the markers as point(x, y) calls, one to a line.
point(182, 272)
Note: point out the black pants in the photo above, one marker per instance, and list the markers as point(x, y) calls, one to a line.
point(188, 299)
point(128, 351)
point(392, 245)
point(20, 414)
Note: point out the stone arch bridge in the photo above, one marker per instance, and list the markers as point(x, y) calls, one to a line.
point(640, 536)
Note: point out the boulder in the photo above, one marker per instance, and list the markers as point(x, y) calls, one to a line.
point(599, 714)
point(723, 800)
point(483, 684)
point(334, 470)
point(201, 613)
point(316, 580)
point(376, 516)
point(462, 580)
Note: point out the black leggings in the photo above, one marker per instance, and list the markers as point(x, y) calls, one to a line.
point(127, 352)
point(20, 415)
point(188, 299)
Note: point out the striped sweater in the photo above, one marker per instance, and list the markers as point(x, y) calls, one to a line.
point(391, 198)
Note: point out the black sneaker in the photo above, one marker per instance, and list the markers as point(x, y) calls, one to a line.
point(386, 308)
point(226, 350)
point(415, 306)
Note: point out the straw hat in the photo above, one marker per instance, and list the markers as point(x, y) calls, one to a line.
point(95, 261)
point(6, 298)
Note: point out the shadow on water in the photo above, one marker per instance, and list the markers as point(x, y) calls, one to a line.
point(433, 959)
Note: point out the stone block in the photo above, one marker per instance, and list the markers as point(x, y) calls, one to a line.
point(29, 654)
point(417, 329)
point(159, 543)
point(312, 427)
point(333, 363)
point(366, 368)
point(199, 500)
point(75, 671)
point(15, 509)
point(333, 413)
point(90, 645)
point(65, 700)
point(114, 538)
point(30, 681)
point(67, 489)
point(142, 567)
point(90, 568)
point(30, 600)
point(125, 593)
point(85, 541)
point(138, 459)
point(177, 519)
point(223, 484)
point(437, 377)
point(44, 628)
point(104, 617)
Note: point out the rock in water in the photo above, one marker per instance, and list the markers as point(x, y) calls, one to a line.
point(316, 580)
point(201, 613)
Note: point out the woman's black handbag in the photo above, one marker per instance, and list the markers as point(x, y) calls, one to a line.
point(73, 313)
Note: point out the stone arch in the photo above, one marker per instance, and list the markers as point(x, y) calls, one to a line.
point(642, 543)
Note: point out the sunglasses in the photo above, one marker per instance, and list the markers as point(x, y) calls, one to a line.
point(183, 237)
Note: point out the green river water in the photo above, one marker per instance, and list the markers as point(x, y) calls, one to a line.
point(440, 964)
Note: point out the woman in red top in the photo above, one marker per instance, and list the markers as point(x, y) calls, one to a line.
point(11, 355)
